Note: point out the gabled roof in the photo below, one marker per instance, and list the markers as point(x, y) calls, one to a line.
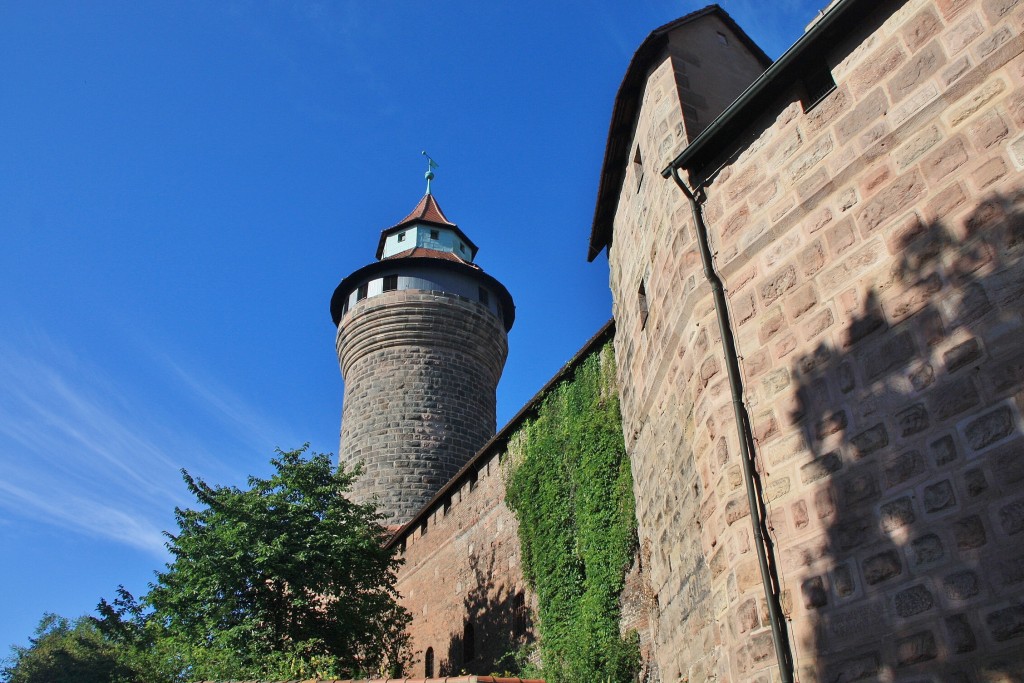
point(624, 113)
point(426, 212)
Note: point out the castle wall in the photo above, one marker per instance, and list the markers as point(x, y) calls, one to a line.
point(871, 249)
point(462, 562)
point(420, 373)
point(462, 567)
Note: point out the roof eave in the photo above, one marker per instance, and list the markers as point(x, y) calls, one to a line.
point(624, 115)
point(813, 45)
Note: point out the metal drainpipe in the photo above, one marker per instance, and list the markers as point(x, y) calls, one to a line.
point(769, 577)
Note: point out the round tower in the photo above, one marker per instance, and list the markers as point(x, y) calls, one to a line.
point(421, 343)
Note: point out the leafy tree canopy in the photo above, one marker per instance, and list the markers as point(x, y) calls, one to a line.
point(284, 579)
point(64, 651)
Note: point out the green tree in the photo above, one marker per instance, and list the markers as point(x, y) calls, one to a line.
point(287, 578)
point(62, 650)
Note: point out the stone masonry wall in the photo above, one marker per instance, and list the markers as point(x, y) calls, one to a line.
point(462, 566)
point(420, 373)
point(872, 253)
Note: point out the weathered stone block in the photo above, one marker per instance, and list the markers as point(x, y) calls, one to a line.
point(913, 600)
point(891, 201)
point(896, 514)
point(903, 467)
point(891, 353)
point(942, 450)
point(919, 647)
point(881, 567)
point(961, 636)
point(778, 284)
point(870, 440)
point(969, 533)
point(814, 593)
point(961, 585)
point(919, 68)
point(819, 468)
point(939, 496)
point(842, 581)
point(919, 30)
point(927, 549)
point(975, 482)
point(860, 488)
point(1005, 624)
point(1011, 518)
point(989, 428)
point(912, 420)
point(953, 398)
point(945, 160)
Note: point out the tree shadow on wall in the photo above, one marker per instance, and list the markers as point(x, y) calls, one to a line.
point(497, 625)
point(914, 423)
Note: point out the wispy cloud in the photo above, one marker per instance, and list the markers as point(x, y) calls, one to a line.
point(98, 455)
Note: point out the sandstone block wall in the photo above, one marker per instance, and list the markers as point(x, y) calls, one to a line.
point(462, 567)
point(420, 372)
point(871, 249)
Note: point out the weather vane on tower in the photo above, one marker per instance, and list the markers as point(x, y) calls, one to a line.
point(431, 165)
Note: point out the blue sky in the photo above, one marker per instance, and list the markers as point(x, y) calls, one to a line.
point(182, 185)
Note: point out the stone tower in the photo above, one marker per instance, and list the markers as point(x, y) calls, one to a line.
point(422, 343)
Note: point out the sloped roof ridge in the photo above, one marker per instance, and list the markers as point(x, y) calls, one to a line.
point(427, 209)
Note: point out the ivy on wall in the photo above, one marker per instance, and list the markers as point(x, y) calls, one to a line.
point(571, 488)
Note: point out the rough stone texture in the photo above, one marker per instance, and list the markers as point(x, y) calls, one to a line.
point(420, 373)
point(871, 251)
point(464, 567)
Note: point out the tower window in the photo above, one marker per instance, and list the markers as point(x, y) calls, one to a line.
point(722, 38)
point(401, 237)
point(428, 663)
point(462, 247)
point(642, 300)
point(447, 506)
point(485, 298)
point(435, 234)
point(362, 291)
point(424, 526)
point(519, 615)
point(472, 480)
point(390, 283)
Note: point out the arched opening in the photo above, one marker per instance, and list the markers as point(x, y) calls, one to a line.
point(428, 663)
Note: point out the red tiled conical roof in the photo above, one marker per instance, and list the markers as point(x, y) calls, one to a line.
point(426, 210)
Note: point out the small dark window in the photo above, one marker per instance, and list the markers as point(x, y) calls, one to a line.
point(428, 663)
point(818, 83)
point(485, 298)
point(519, 615)
point(642, 297)
point(435, 234)
point(401, 546)
point(462, 247)
point(390, 283)
point(447, 504)
point(361, 293)
point(424, 526)
point(468, 643)
point(638, 168)
point(722, 38)
point(401, 237)
point(344, 306)
point(472, 480)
